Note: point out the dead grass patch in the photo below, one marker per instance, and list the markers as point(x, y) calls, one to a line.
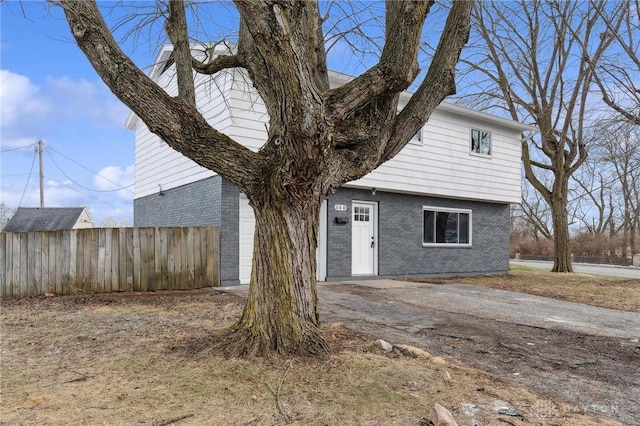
point(595, 290)
point(142, 359)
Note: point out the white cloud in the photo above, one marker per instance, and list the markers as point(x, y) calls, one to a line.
point(22, 104)
point(67, 194)
point(88, 100)
point(56, 194)
point(64, 109)
point(26, 107)
point(27, 144)
point(112, 178)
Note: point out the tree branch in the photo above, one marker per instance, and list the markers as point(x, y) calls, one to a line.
point(176, 27)
point(437, 84)
point(541, 165)
point(397, 67)
point(531, 177)
point(217, 64)
point(176, 122)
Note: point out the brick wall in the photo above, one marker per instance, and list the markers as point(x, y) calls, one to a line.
point(215, 201)
point(195, 204)
point(229, 235)
point(212, 201)
point(400, 250)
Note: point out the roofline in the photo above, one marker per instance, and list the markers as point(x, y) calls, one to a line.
point(342, 78)
point(453, 108)
point(457, 109)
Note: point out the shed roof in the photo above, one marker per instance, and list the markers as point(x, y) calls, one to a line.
point(43, 219)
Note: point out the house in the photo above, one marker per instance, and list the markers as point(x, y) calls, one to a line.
point(48, 219)
point(439, 208)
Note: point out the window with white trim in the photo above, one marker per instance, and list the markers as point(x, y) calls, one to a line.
point(417, 138)
point(450, 227)
point(480, 142)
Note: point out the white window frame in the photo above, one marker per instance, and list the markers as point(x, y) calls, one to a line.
point(448, 210)
point(419, 133)
point(479, 154)
point(420, 138)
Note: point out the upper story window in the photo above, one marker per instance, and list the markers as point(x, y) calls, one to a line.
point(480, 142)
point(446, 227)
point(417, 138)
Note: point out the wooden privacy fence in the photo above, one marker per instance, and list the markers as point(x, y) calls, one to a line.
point(102, 260)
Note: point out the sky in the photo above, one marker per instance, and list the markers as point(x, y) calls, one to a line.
point(50, 92)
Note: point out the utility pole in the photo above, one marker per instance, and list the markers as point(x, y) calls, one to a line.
point(40, 149)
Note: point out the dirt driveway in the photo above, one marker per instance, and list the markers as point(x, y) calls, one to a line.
point(574, 353)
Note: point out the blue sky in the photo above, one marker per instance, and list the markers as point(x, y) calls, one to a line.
point(49, 91)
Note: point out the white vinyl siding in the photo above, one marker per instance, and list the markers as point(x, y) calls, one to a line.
point(442, 166)
point(248, 113)
point(158, 164)
point(438, 165)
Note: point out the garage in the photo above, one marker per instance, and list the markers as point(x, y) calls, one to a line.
point(247, 224)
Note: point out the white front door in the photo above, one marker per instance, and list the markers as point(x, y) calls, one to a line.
point(364, 244)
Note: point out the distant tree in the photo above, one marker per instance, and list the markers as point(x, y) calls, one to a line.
point(620, 147)
point(534, 60)
point(112, 222)
point(318, 138)
point(595, 209)
point(617, 73)
point(536, 213)
point(6, 213)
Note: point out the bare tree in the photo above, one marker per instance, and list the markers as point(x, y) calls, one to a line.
point(112, 222)
point(318, 137)
point(620, 143)
point(5, 214)
point(536, 213)
point(596, 190)
point(533, 59)
point(617, 73)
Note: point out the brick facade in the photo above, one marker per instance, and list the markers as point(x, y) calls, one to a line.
point(212, 201)
point(215, 201)
point(400, 250)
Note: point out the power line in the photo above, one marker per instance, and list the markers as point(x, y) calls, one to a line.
point(95, 173)
point(20, 147)
point(28, 179)
point(92, 197)
point(76, 183)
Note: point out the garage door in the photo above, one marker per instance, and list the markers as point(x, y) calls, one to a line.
point(247, 228)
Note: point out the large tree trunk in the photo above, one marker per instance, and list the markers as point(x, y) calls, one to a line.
point(561, 240)
point(281, 311)
point(318, 138)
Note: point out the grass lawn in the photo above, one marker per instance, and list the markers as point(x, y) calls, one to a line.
point(142, 359)
point(596, 290)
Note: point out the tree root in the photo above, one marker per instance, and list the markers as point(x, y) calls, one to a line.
point(244, 342)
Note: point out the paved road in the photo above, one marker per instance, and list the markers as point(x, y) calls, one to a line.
point(585, 268)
